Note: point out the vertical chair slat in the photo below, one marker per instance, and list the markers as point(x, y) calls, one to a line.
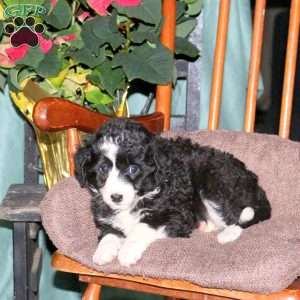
point(218, 68)
point(72, 144)
point(290, 69)
point(164, 92)
point(255, 59)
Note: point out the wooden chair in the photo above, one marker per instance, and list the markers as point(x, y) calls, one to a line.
point(48, 116)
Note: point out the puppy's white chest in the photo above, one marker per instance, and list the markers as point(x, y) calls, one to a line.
point(126, 220)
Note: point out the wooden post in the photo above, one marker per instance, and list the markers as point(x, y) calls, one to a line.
point(255, 59)
point(164, 92)
point(290, 69)
point(218, 69)
point(92, 292)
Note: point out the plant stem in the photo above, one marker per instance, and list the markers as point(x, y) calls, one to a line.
point(128, 36)
point(122, 109)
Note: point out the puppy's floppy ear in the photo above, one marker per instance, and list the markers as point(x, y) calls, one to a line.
point(82, 157)
point(160, 162)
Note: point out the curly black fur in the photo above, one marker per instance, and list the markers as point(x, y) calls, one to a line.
point(186, 174)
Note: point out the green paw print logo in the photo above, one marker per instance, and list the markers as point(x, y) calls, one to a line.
point(24, 31)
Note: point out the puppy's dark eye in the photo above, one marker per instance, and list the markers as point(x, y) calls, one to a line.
point(132, 170)
point(103, 168)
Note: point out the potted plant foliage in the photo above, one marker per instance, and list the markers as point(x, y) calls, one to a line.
point(92, 52)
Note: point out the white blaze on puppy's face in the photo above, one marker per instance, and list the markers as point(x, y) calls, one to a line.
point(116, 192)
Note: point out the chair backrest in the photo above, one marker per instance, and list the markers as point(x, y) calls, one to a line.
point(254, 68)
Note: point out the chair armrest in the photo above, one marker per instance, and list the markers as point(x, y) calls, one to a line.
point(21, 203)
point(54, 114)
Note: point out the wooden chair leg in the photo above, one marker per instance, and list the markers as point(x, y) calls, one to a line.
point(92, 292)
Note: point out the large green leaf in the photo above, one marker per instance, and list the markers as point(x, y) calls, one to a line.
point(185, 47)
point(149, 11)
point(74, 29)
point(142, 27)
point(95, 96)
point(51, 64)
point(89, 38)
point(87, 57)
point(60, 17)
point(108, 78)
point(152, 65)
point(194, 8)
point(145, 32)
point(99, 31)
point(140, 37)
point(180, 9)
point(105, 29)
point(185, 28)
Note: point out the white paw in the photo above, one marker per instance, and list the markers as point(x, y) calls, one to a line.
point(229, 234)
point(137, 242)
point(107, 249)
point(102, 257)
point(130, 253)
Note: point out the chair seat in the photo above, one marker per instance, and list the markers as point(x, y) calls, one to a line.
point(164, 287)
point(265, 259)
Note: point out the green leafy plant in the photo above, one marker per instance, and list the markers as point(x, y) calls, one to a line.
point(90, 53)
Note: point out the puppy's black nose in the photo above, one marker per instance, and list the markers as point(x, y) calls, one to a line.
point(117, 198)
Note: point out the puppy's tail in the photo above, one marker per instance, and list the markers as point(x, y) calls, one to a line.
point(259, 212)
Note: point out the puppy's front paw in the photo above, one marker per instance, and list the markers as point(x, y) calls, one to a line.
point(130, 253)
point(137, 242)
point(103, 256)
point(107, 249)
point(229, 234)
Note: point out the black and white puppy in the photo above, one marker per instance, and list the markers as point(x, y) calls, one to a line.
point(145, 187)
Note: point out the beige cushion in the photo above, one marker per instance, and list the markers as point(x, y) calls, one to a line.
point(265, 259)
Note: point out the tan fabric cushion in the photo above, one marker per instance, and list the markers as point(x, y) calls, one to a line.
point(265, 259)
